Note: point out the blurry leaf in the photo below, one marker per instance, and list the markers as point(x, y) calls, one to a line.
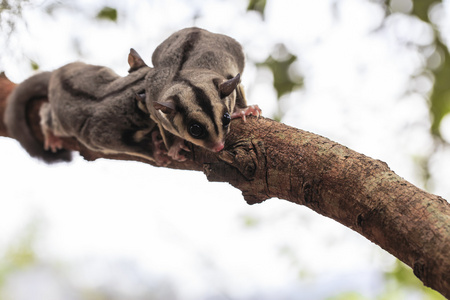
point(440, 96)
point(250, 221)
point(21, 252)
point(107, 13)
point(422, 7)
point(283, 81)
point(257, 5)
point(404, 277)
point(34, 65)
point(52, 6)
point(4, 5)
point(14, 7)
point(348, 296)
point(422, 164)
point(10, 14)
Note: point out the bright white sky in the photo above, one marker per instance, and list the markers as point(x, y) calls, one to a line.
point(101, 218)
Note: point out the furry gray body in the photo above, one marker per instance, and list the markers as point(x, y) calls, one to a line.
point(90, 103)
point(96, 106)
point(195, 48)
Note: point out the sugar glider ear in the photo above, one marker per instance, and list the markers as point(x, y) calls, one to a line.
point(135, 61)
point(167, 106)
point(227, 87)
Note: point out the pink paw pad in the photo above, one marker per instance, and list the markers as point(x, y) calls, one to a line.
point(253, 110)
point(175, 149)
point(52, 142)
point(159, 150)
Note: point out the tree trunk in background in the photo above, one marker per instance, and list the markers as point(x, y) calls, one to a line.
point(266, 159)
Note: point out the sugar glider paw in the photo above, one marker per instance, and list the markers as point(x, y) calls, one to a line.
point(159, 150)
point(161, 156)
point(52, 142)
point(253, 110)
point(177, 146)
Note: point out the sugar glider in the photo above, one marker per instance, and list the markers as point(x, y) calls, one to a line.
point(196, 91)
point(90, 103)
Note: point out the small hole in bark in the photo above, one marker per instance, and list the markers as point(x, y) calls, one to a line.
point(359, 220)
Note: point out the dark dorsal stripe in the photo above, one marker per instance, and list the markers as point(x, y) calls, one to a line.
point(187, 47)
point(124, 87)
point(68, 87)
point(76, 93)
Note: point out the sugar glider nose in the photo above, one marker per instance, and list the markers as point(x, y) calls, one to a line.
point(218, 147)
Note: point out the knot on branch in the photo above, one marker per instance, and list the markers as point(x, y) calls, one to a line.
point(243, 156)
point(419, 270)
point(243, 165)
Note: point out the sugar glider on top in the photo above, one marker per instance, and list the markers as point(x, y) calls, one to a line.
point(192, 93)
point(196, 90)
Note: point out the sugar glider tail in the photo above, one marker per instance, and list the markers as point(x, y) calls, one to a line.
point(16, 118)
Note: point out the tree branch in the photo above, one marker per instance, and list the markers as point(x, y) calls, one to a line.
point(266, 159)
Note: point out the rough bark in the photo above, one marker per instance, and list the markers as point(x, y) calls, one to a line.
point(266, 159)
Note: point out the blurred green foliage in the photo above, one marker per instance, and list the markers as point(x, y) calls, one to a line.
point(34, 65)
point(439, 101)
point(107, 13)
point(285, 79)
point(399, 284)
point(257, 5)
point(440, 96)
point(20, 253)
point(10, 12)
point(421, 8)
point(250, 221)
point(348, 296)
point(402, 276)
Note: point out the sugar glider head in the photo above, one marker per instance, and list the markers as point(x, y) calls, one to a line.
point(197, 106)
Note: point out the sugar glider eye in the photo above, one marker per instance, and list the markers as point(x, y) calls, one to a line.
point(226, 119)
point(197, 131)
